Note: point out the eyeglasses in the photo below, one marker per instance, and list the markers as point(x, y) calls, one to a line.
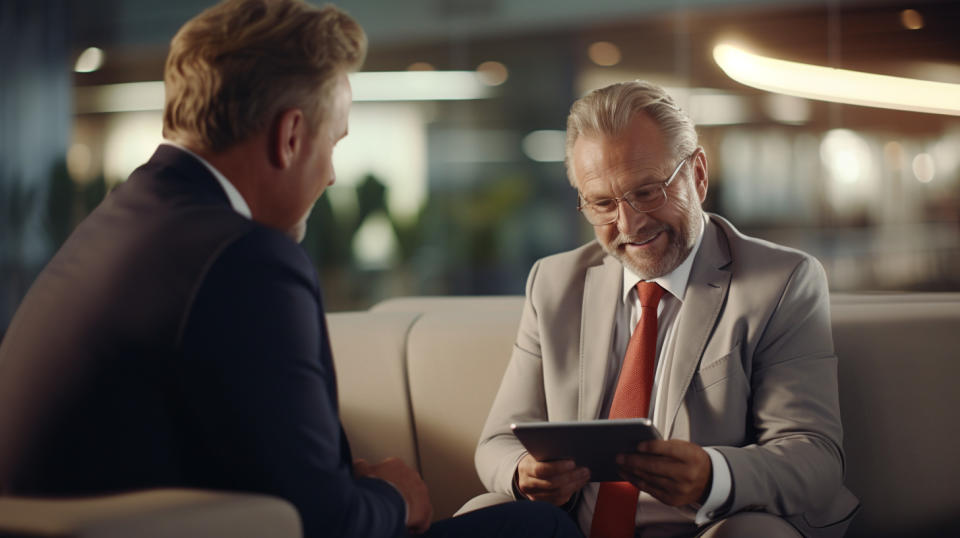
point(643, 200)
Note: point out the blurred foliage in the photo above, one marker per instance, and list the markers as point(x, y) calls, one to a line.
point(69, 202)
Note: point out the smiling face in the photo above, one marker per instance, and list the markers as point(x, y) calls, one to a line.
point(649, 244)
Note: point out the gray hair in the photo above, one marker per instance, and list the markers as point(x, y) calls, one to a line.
point(608, 111)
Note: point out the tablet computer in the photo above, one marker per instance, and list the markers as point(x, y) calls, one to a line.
point(593, 444)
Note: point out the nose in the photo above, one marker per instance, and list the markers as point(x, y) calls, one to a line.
point(629, 220)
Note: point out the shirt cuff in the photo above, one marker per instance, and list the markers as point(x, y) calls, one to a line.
point(719, 488)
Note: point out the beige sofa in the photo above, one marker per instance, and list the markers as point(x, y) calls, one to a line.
point(417, 375)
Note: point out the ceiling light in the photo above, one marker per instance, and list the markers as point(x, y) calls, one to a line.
point(604, 53)
point(837, 85)
point(89, 61)
point(911, 19)
point(493, 73)
point(367, 86)
point(420, 66)
point(923, 168)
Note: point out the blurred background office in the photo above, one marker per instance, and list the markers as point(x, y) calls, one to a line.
point(452, 179)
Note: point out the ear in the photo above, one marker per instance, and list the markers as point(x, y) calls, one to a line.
point(288, 137)
point(700, 177)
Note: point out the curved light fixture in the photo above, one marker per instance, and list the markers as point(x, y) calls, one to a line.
point(837, 85)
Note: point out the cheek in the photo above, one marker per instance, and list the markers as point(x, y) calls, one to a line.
point(606, 234)
point(684, 203)
point(323, 164)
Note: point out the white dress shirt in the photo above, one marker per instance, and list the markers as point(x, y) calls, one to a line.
point(236, 199)
point(649, 509)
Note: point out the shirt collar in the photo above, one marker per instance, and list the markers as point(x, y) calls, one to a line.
point(674, 282)
point(233, 195)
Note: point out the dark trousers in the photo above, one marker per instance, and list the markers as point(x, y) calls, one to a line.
point(515, 519)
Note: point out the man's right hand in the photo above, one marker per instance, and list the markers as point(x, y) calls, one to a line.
point(408, 483)
point(551, 481)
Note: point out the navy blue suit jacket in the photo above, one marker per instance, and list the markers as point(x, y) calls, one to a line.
point(173, 342)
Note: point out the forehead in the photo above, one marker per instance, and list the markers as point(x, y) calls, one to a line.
point(636, 156)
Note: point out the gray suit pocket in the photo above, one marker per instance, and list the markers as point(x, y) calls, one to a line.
point(716, 370)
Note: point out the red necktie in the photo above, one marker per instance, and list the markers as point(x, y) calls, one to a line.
point(617, 501)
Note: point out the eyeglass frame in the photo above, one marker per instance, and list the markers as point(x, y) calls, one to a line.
point(582, 201)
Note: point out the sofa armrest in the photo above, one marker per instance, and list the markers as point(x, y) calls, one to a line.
point(157, 513)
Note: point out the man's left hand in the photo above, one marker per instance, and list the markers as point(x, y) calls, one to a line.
point(675, 472)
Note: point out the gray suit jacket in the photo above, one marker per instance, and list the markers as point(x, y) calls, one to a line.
point(752, 373)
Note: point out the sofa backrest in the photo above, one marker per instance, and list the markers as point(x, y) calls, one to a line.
point(898, 361)
point(370, 355)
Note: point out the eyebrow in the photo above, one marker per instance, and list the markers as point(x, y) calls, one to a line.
point(607, 194)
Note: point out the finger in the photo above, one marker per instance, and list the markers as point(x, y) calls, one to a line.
point(547, 469)
point(645, 466)
point(536, 486)
point(566, 482)
point(656, 446)
point(673, 449)
point(657, 487)
point(556, 497)
point(542, 486)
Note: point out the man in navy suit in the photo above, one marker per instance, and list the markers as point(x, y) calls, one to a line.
point(178, 337)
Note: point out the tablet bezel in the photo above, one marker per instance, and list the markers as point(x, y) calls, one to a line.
point(593, 443)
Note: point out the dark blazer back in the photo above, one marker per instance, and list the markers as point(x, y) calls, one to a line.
point(87, 366)
point(146, 355)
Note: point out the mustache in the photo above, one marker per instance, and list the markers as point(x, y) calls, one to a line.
point(639, 236)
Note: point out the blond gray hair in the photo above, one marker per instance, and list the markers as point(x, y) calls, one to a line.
point(235, 66)
point(608, 111)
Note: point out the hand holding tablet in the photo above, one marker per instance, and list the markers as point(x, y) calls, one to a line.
point(593, 444)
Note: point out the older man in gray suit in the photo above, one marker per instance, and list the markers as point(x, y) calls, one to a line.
point(744, 376)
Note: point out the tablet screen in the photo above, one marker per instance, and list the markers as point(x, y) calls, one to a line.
point(593, 444)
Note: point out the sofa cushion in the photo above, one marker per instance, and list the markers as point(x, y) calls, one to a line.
point(898, 365)
point(158, 513)
point(456, 359)
point(369, 353)
point(461, 303)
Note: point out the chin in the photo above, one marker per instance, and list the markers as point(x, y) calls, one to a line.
point(650, 267)
point(299, 231)
point(647, 270)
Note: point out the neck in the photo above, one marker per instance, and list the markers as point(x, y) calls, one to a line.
point(246, 167)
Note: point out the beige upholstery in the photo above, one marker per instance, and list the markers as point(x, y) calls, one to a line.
point(456, 360)
point(898, 362)
point(152, 514)
point(462, 303)
point(370, 355)
point(898, 397)
point(417, 375)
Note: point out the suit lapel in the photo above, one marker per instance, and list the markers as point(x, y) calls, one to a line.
point(602, 283)
point(703, 300)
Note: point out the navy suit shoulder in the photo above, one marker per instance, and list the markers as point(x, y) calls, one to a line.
point(174, 342)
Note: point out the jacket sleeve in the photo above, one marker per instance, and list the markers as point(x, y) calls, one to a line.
point(259, 392)
point(520, 398)
point(796, 462)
